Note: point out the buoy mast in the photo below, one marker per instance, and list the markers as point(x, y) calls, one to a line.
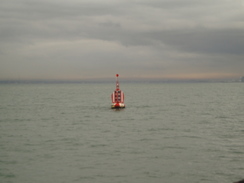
point(117, 82)
point(117, 96)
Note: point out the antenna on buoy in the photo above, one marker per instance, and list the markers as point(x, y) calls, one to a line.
point(117, 96)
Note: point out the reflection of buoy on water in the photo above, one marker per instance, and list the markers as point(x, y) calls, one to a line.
point(117, 96)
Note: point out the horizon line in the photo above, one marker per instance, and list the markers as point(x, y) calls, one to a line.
point(102, 80)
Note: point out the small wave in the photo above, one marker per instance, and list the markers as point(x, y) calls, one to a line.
point(7, 175)
point(160, 129)
point(8, 162)
point(99, 145)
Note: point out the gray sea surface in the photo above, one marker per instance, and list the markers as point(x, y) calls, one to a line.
point(168, 132)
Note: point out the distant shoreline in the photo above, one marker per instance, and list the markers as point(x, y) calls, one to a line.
point(122, 81)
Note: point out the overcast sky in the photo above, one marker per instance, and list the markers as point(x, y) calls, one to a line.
point(80, 39)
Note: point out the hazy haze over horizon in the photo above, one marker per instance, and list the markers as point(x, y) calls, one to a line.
point(85, 39)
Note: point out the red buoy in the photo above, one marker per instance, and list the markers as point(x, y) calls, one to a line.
point(117, 96)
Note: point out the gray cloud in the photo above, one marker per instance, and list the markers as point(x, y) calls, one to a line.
point(81, 39)
point(224, 41)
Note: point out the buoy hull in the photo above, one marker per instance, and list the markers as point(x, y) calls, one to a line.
point(117, 105)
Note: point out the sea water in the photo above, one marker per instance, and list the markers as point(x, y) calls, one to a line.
point(168, 132)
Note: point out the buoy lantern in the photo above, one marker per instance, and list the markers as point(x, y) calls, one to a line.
point(117, 96)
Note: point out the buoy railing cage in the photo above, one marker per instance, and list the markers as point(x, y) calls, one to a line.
point(117, 96)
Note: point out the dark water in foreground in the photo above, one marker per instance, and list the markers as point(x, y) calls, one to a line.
point(66, 133)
